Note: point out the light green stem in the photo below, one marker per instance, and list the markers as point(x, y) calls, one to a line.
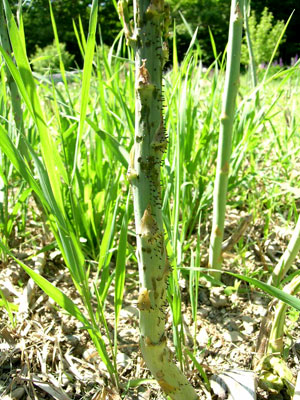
point(144, 174)
point(275, 341)
point(225, 138)
point(287, 258)
point(275, 344)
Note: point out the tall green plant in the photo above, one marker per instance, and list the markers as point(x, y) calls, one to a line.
point(225, 137)
point(150, 23)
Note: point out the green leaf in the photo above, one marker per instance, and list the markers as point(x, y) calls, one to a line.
point(17, 160)
point(86, 78)
point(67, 304)
point(56, 294)
point(271, 290)
point(199, 368)
point(26, 85)
point(112, 144)
point(120, 265)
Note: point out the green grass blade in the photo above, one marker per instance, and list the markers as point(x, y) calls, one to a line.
point(21, 26)
point(276, 46)
point(61, 64)
point(175, 56)
point(12, 306)
point(102, 320)
point(213, 44)
point(56, 40)
point(18, 79)
point(49, 150)
point(271, 290)
point(67, 304)
point(52, 291)
point(66, 238)
point(86, 79)
point(120, 266)
point(14, 213)
point(105, 253)
point(17, 160)
point(67, 241)
point(82, 34)
point(112, 144)
point(78, 38)
point(8, 307)
point(199, 368)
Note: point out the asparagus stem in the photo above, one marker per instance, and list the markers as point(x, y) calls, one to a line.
point(148, 40)
point(225, 138)
point(275, 344)
point(287, 258)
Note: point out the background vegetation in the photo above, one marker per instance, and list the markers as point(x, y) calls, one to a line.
point(212, 14)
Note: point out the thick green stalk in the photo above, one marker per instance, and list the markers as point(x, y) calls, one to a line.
point(287, 258)
point(273, 361)
point(225, 138)
point(275, 344)
point(275, 340)
point(144, 174)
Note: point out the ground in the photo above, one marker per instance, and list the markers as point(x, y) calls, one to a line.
point(45, 354)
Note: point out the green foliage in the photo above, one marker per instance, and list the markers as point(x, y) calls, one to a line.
point(211, 14)
point(281, 12)
point(264, 35)
point(38, 28)
point(47, 59)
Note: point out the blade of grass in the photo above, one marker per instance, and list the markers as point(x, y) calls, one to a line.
point(17, 160)
point(67, 304)
point(61, 63)
point(86, 80)
point(276, 46)
point(121, 269)
point(26, 85)
point(271, 290)
point(8, 307)
point(78, 38)
point(112, 144)
point(199, 368)
point(56, 294)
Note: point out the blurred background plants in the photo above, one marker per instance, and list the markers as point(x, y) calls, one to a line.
point(213, 14)
point(264, 35)
point(46, 60)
